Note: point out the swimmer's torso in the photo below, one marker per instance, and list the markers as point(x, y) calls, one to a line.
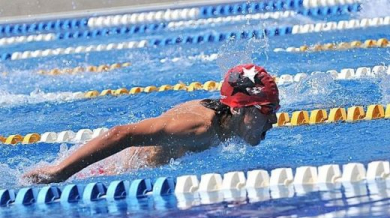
point(198, 122)
point(197, 139)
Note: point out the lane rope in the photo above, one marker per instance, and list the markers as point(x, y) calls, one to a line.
point(255, 185)
point(76, 50)
point(230, 19)
point(296, 118)
point(24, 39)
point(324, 3)
point(143, 17)
point(80, 69)
point(341, 25)
point(369, 43)
point(377, 71)
point(344, 74)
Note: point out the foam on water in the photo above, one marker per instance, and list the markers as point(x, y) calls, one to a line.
point(191, 60)
point(374, 8)
point(37, 96)
point(8, 176)
point(319, 88)
point(384, 88)
point(116, 164)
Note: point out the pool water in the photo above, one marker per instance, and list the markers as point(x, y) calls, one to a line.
point(30, 102)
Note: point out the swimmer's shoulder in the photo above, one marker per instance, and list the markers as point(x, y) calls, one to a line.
point(191, 114)
point(189, 106)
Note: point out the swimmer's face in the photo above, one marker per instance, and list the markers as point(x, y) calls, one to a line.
point(254, 125)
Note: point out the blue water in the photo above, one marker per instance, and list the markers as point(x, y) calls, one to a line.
point(25, 108)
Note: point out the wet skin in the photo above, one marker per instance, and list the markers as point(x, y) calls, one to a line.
point(188, 127)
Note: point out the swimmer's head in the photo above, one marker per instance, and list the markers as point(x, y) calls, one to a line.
point(250, 85)
point(253, 98)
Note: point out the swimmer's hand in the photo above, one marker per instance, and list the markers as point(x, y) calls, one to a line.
point(44, 175)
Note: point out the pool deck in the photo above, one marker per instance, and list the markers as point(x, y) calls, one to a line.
point(29, 11)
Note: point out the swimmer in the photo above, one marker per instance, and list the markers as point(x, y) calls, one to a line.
point(246, 109)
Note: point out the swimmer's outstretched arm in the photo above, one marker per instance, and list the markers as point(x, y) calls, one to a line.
point(145, 133)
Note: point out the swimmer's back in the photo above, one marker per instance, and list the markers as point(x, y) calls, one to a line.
point(193, 121)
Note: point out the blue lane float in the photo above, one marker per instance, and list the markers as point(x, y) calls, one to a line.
point(215, 37)
point(104, 32)
point(48, 194)
point(164, 186)
point(117, 190)
point(71, 193)
point(252, 7)
point(273, 6)
point(7, 197)
point(140, 187)
point(43, 26)
point(26, 196)
point(94, 191)
point(330, 11)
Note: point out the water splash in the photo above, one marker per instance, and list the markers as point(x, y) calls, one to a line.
point(190, 60)
point(235, 52)
point(384, 88)
point(37, 96)
point(317, 91)
point(374, 8)
point(8, 176)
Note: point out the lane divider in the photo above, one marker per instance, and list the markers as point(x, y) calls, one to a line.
point(297, 118)
point(144, 17)
point(91, 68)
point(324, 3)
point(277, 5)
point(319, 116)
point(83, 34)
point(230, 19)
point(345, 74)
point(369, 43)
point(280, 183)
point(75, 50)
point(43, 26)
point(24, 39)
point(212, 187)
point(194, 86)
point(341, 25)
point(67, 136)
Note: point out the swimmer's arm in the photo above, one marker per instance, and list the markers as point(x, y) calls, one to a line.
point(145, 133)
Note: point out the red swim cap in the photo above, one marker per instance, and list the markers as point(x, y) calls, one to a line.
point(249, 85)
